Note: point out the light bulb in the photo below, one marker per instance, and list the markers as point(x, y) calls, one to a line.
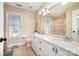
point(40, 12)
point(43, 10)
point(47, 11)
point(44, 14)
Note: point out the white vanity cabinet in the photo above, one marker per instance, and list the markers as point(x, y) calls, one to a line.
point(42, 48)
point(45, 48)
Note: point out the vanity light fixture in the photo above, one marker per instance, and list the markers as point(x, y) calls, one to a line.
point(47, 11)
point(44, 11)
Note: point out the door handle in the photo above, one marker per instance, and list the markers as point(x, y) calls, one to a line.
point(3, 39)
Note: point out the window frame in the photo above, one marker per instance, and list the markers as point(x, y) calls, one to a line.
point(7, 21)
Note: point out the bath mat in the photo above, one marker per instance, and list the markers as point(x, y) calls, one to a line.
point(8, 53)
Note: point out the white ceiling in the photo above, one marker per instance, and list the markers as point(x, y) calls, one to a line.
point(55, 8)
point(60, 9)
point(26, 5)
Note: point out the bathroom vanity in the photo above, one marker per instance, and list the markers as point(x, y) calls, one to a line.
point(45, 45)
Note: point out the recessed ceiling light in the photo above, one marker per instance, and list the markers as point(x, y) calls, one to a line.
point(19, 5)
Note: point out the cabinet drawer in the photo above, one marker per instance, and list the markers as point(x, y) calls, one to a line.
point(62, 52)
point(47, 49)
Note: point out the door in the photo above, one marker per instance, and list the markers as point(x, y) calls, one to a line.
point(47, 23)
point(1, 27)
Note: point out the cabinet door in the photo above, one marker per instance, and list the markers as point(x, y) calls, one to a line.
point(36, 45)
point(39, 49)
point(51, 49)
point(47, 49)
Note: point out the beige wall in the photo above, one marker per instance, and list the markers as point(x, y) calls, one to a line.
point(1, 20)
point(40, 22)
point(69, 18)
point(28, 20)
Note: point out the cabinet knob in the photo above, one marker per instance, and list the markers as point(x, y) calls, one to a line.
point(56, 50)
point(40, 49)
point(39, 41)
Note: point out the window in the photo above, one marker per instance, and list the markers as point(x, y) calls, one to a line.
point(14, 25)
point(47, 25)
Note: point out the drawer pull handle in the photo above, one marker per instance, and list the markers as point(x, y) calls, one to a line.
point(53, 49)
point(56, 50)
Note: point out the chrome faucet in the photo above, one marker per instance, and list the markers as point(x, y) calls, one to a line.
point(68, 38)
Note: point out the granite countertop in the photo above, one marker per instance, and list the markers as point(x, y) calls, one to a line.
point(69, 46)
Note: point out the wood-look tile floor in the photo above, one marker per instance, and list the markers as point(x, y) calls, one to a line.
point(24, 50)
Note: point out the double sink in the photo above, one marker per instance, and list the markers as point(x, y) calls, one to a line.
point(71, 46)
